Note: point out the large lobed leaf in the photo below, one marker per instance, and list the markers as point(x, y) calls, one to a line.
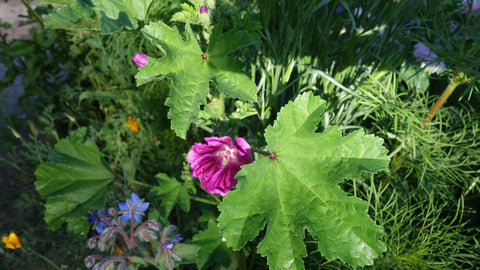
point(74, 182)
point(190, 69)
point(109, 16)
point(296, 188)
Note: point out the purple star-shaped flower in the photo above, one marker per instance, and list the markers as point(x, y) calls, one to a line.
point(133, 208)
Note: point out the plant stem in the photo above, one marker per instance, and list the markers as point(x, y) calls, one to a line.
point(198, 199)
point(139, 183)
point(265, 153)
point(220, 106)
point(397, 162)
point(47, 260)
point(457, 80)
point(240, 260)
point(33, 13)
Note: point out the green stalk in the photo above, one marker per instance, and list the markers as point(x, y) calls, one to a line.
point(139, 183)
point(55, 266)
point(220, 106)
point(265, 153)
point(33, 13)
point(240, 260)
point(459, 79)
point(398, 161)
point(198, 199)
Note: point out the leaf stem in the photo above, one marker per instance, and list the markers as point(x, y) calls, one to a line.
point(198, 199)
point(139, 183)
point(265, 153)
point(240, 260)
point(33, 13)
point(457, 80)
point(220, 106)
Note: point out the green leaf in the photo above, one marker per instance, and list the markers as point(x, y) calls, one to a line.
point(187, 252)
point(74, 16)
point(188, 14)
point(296, 188)
point(171, 192)
point(415, 78)
point(74, 182)
point(110, 16)
point(190, 73)
point(213, 250)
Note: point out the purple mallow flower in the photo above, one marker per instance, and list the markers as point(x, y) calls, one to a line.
point(203, 9)
point(428, 58)
point(100, 220)
point(133, 208)
point(217, 162)
point(140, 59)
point(470, 6)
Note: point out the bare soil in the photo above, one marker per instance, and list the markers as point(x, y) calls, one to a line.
point(10, 11)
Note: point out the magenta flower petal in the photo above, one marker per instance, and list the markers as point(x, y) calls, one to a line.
point(140, 59)
point(223, 180)
point(216, 163)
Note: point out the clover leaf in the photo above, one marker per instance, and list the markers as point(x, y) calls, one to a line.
point(296, 188)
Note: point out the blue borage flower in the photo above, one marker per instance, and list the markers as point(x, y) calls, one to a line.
point(167, 240)
point(100, 220)
point(171, 242)
point(133, 208)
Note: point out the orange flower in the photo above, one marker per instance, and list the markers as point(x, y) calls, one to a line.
point(118, 251)
point(12, 241)
point(133, 124)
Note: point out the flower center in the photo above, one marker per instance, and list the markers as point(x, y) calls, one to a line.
point(228, 154)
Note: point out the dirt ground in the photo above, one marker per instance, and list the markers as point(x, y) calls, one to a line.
point(9, 12)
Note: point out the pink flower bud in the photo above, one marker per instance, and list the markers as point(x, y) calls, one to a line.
point(140, 59)
point(203, 9)
point(217, 162)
